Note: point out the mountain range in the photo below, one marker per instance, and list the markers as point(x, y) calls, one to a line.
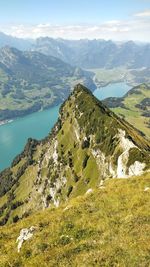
point(19, 43)
point(41, 73)
point(31, 81)
point(90, 54)
point(86, 53)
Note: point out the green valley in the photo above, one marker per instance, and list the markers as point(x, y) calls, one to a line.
point(31, 81)
point(134, 107)
point(133, 77)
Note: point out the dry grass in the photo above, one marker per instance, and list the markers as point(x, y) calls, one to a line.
point(109, 227)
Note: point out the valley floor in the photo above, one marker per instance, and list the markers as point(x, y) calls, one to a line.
point(105, 76)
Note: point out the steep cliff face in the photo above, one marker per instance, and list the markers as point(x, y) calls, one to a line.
point(88, 145)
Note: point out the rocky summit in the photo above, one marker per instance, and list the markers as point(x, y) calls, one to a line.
point(88, 145)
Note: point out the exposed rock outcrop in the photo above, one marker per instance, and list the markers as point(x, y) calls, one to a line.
point(25, 234)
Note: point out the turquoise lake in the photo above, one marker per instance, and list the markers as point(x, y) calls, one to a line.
point(14, 135)
point(112, 90)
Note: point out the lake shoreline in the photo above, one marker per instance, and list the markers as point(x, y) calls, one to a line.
point(6, 122)
point(98, 87)
point(13, 136)
point(115, 89)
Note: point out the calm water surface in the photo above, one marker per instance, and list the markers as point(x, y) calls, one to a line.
point(14, 135)
point(112, 90)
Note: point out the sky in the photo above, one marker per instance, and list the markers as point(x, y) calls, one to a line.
point(76, 19)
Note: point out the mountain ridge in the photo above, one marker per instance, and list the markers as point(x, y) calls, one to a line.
point(19, 43)
point(31, 81)
point(96, 53)
point(88, 145)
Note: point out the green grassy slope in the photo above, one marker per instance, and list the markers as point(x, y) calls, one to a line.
point(30, 81)
point(82, 151)
point(134, 107)
point(133, 77)
point(108, 227)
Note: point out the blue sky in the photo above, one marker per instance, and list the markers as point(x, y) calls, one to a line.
point(75, 19)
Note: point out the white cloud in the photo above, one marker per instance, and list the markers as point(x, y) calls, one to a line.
point(137, 28)
point(143, 14)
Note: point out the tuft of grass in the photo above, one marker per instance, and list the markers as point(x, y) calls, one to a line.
point(109, 227)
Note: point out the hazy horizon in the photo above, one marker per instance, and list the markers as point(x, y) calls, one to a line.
point(79, 39)
point(74, 20)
